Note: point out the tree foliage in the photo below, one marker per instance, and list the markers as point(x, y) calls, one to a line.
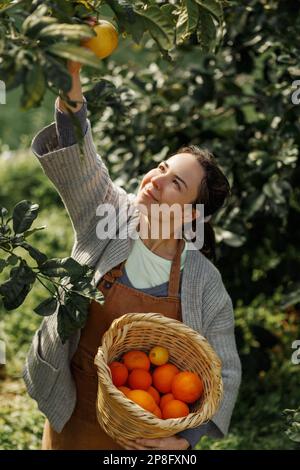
point(238, 104)
point(37, 36)
point(70, 288)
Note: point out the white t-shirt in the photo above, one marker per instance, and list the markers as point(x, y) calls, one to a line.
point(146, 269)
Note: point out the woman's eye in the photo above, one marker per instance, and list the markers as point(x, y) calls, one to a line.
point(176, 182)
point(161, 168)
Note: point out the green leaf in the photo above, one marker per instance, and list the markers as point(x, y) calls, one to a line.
point(23, 273)
point(66, 267)
point(13, 294)
point(37, 255)
point(160, 26)
point(3, 212)
point(47, 307)
point(57, 74)
point(187, 20)
point(80, 305)
point(76, 53)
point(292, 298)
point(229, 238)
point(8, 9)
point(85, 289)
point(28, 233)
point(206, 32)
point(17, 240)
point(273, 190)
point(34, 23)
point(5, 230)
point(12, 260)
point(3, 264)
point(34, 88)
point(213, 7)
point(192, 13)
point(24, 214)
point(70, 319)
point(67, 31)
point(15, 290)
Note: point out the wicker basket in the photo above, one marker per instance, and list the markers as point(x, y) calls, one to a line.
point(188, 350)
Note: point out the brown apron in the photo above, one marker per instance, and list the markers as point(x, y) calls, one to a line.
point(83, 431)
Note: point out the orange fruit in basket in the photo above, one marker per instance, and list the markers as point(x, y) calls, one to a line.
point(159, 356)
point(163, 377)
point(136, 360)
point(119, 373)
point(154, 393)
point(143, 399)
point(139, 379)
point(165, 399)
point(175, 409)
point(187, 386)
point(157, 412)
point(123, 389)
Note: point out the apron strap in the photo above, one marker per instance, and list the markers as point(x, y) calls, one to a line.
point(114, 273)
point(174, 279)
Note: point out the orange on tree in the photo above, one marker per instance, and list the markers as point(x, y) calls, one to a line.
point(136, 360)
point(139, 379)
point(143, 399)
point(175, 409)
point(163, 377)
point(119, 373)
point(159, 355)
point(187, 386)
point(105, 41)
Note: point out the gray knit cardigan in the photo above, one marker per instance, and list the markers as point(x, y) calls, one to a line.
point(84, 184)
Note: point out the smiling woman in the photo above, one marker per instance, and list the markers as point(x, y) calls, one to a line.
point(188, 179)
point(177, 280)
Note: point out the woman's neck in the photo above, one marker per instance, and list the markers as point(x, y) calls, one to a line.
point(164, 247)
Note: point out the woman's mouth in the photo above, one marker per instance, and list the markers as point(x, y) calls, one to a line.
point(149, 193)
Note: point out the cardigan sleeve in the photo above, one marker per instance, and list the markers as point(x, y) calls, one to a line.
point(193, 435)
point(221, 337)
point(64, 125)
point(78, 173)
point(218, 328)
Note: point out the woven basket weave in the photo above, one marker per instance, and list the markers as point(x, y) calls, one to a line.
point(188, 350)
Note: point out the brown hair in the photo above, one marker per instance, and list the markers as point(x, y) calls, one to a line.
point(214, 189)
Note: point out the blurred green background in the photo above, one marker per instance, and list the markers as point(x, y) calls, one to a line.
point(238, 104)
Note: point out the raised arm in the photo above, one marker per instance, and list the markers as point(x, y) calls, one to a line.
point(78, 172)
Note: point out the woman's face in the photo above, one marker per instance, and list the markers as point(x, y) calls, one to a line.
point(174, 181)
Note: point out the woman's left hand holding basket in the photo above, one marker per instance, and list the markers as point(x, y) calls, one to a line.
point(163, 443)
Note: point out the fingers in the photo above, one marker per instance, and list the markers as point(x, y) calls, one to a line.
point(73, 67)
point(91, 20)
point(150, 443)
point(130, 445)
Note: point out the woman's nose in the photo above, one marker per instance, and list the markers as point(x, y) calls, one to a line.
point(157, 181)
